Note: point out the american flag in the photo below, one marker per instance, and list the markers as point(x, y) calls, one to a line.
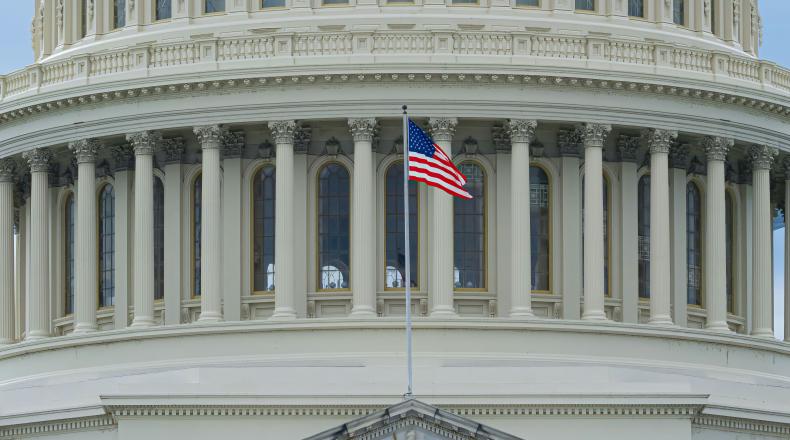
point(429, 164)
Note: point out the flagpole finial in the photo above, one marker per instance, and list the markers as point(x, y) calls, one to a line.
point(404, 108)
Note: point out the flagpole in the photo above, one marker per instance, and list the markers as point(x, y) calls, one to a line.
point(407, 285)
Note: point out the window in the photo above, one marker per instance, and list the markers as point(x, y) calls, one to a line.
point(394, 246)
point(197, 203)
point(83, 18)
point(106, 246)
point(636, 8)
point(68, 226)
point(528, 3)
point(334, 227)
point(465, 2)
point(679, 12)
point(215, 6)
point(119, 14)
point(159, 239)
point(163, 9)
point(469, 230)
point(539, 206)
point(335, 2)
point(694, 244)
point(643, 230)
point(272, 4)
point(729, 225)
point(263, 200)
point(713, 22)
point(585, 5)
point(605, 232)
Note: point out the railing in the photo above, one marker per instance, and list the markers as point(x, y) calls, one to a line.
point(512, 47)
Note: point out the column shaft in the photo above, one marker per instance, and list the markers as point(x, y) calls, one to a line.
point(86, 250)
point(6, 254)
point(210, 268)
point(363, 272)
point(762, 266)
point(715, 248)
point(629, 241)
point(284, 231)
point(143, 240)
point(38, 291)
point(521, 132)
point(787, 261)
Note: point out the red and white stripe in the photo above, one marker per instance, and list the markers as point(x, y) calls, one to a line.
point(438, 171)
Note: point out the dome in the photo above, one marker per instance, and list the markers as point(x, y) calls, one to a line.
point(203, 221)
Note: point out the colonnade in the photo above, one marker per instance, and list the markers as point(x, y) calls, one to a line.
point(520, 133)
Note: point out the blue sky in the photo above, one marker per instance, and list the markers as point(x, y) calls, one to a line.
point(16, 53)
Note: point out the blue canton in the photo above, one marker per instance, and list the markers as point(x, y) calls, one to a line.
point(419, 142)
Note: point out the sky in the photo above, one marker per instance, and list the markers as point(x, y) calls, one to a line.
point(17, 53)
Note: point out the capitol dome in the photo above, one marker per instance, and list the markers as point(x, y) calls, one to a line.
point(202, 223)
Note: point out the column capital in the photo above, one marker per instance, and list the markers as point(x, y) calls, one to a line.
point(594, 135)
point(569, 141)
point(233, 143)
point(442, 129)
point(122, 156)
point(762, 156)
point(144, 142)
point(362, 129)
point(85, 149)
point(522, 130)
point(6, 170)
point(173, 149)
point(283, 131)
point(37, 159)
point(786, 166)
point(679, 156)
point(628, 146)
point(716, 147)
point(659, 140)
point(209, 136)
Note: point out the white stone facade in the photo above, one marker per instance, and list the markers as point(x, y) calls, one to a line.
point(251, 290)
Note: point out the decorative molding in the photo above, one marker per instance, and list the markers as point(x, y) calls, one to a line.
point(144, 142)
point(7, 166)
point(173, 149)
point(569, 140)
point(501, 137)
point(85, 149)
point(717, 147)
point(628, 146)
point(594, 135)
point(762, 156)
point(442, 129)
point(283, 131)
point(659, 141)
point(37, 159)
point(233, 143)
point(333, 147)
point(362, 129)
point(470, 146)
point(521, 130)
point(741, 424)
point(679, 155)
point(303, 135)
point(50, 427)
point(210, 136)
point(123, 156)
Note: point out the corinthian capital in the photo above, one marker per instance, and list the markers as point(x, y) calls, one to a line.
point(762, 157)
point(6, 170)
point(233, 143)
point(521, 130)
point(658, 140)
point(628, 146)
point(362, 129)
point(679, 156)
point(594, 135)
point(283, 131)
point(38, 160)
point(442, 129)
point(85, 150)
point(716, 147)
point(173, 149)
point(209, 136)
point(144, 142)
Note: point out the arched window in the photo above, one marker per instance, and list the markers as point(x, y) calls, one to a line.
point(606, 249)
point(679, 12)
point(334, 227)
point(68, 230)
point(469, 231)
point(585, 5)
point(643, 230)
point(694, 244)
point(163, 9)
point(215, 6)
point(636, 8)
point(729, 225)
point(118, 13)
point(197, 222)
point(539, 208)
point(106, 246)
point(159, 239)
point(394, 246)
point(263, 199)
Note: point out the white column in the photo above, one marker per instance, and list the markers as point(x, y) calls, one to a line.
point(787, 251)
point(715, 268)
point(284, 231)
point(38, 289)
point(363, 253)
point(522, 132)
point(659, 142)
point(173, 149)
point(629, 233)
point(124, 241)
point(570, 217)
point(233, 144)
point(210, 137)
point(6, 252)
point(144, 143)
point(679, 161)
point(441, 253)
point(762, 158)
point(594, 137)
point(86, 241)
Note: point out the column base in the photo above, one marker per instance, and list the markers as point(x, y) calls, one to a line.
point(142, 322)
point(37, 335)
point(443, 312)
point(763, 333)
point(81, 329)
point(663, 320)
point(283, 314)
point(4, 342)
point(720, 327)
point(521, 312)
point(595, 315)
point(363, 312)
point(210, 317)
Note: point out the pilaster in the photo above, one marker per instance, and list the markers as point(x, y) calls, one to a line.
point(173, 150)
point(629, 234)
point(571, 212)
point(123, 245)
point(679, 162)
point(233, 145)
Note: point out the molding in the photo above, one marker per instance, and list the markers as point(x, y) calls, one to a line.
point(741, 425)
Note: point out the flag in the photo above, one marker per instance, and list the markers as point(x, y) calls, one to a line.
point(429, 164)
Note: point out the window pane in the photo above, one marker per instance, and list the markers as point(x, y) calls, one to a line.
point(394, 232)
point(159, 239)
point(643, 227)
point(679, 12)
point(272, 3)
point(527, 2)
point(107, 246)
point(335, 2)
point(694, 244)
point(263, 190)
point(585, 5)
point(215, 6)
point(539, 227)
point(469, 231)
point(163, 9)
point(197, 194)
point(84, 18)
point(119, 13)
point(334, 230)
point(464, 2)
point(730, 236)
point(69, 216)
point(636, 8)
